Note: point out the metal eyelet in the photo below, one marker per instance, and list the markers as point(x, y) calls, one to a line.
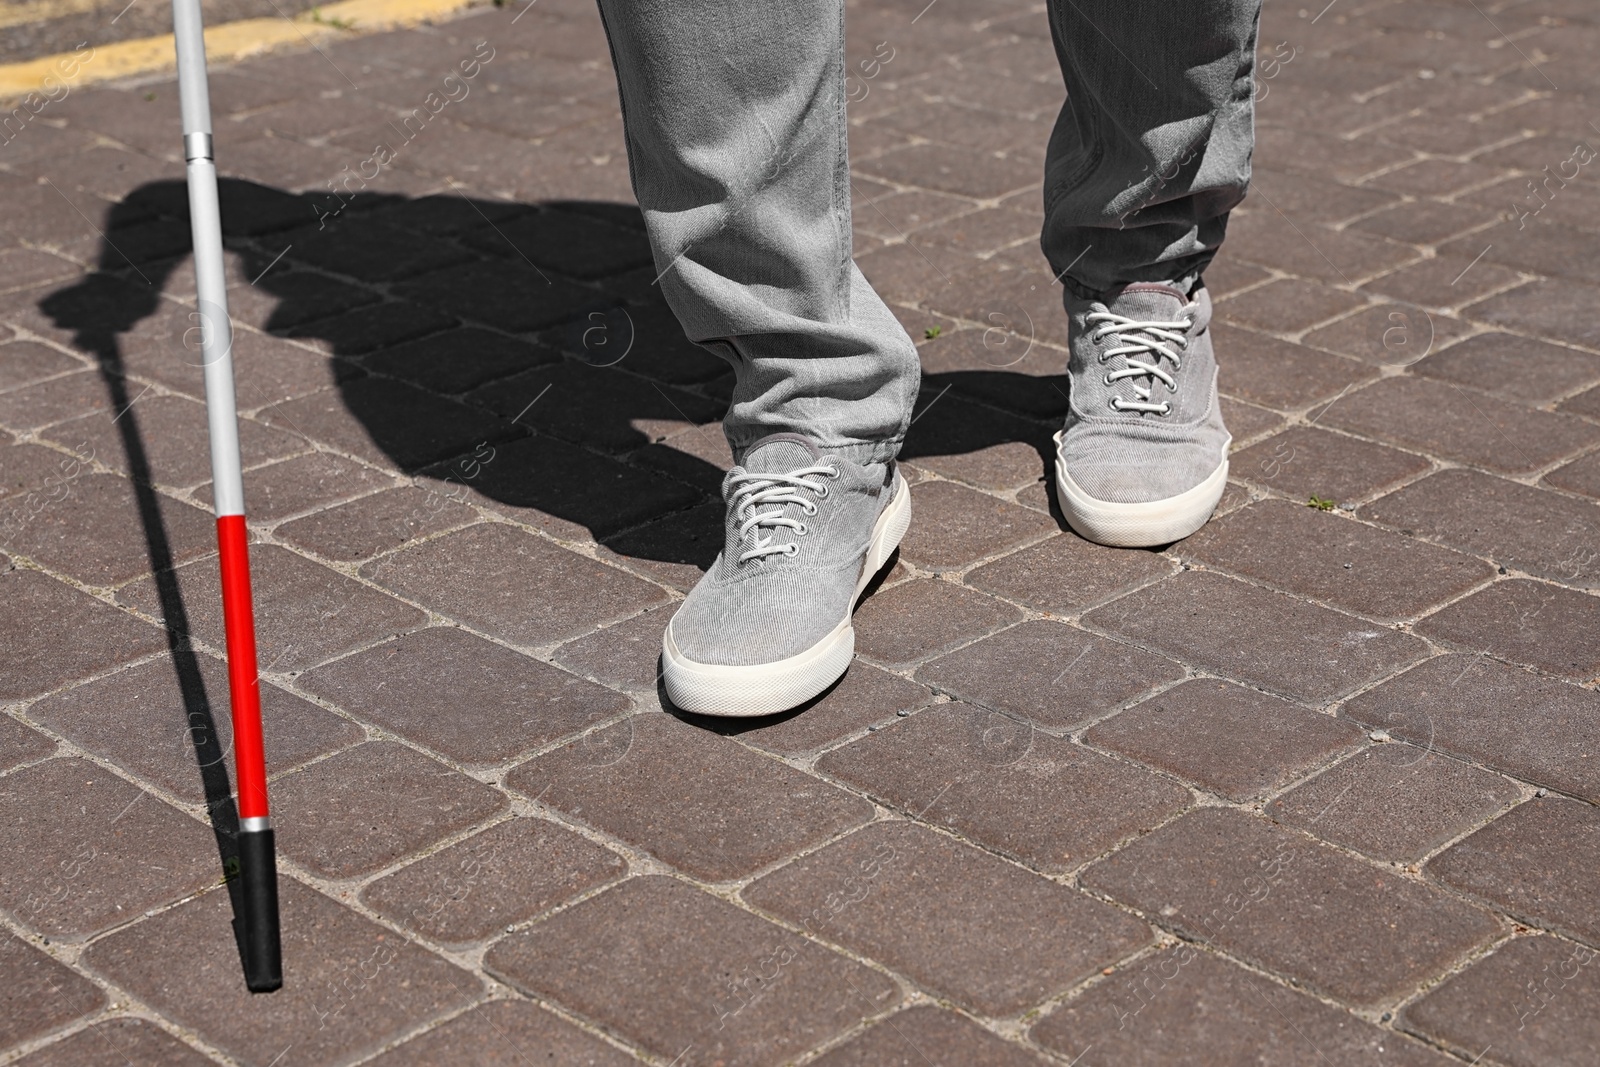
point(1107, 379)
point(1116, 403)
point(792, 548)
point(809, 509)
point(822, 494)
point(802, 530)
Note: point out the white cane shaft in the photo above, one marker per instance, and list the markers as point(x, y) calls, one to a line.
point(216, 337)
point(211, 285)
point(194, 95)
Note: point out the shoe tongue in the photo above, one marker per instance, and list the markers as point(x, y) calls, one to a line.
point(780, 453)
point(1147, 300)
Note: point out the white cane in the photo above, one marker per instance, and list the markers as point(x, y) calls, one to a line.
point(258, 874)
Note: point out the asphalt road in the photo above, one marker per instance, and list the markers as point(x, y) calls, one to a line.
point(33, 28)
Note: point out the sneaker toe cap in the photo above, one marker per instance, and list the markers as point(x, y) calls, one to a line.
point(1117, 469)
point(754, 622)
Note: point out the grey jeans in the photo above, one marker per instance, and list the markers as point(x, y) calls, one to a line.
point(735, 119)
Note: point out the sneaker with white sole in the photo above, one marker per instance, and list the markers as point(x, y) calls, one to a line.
point(768, 626)
point(1143, 457)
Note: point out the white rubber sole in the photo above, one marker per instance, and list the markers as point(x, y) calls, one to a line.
point(1142, 525)
point(768, 688)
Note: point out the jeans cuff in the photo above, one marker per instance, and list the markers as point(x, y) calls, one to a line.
point(864, 453)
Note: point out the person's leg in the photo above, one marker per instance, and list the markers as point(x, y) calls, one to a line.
point(1150, 153)
point(734, 111)
point(1152, 148)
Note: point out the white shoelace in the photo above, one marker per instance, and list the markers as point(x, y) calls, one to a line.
point(756, 491)
point(1142, 337)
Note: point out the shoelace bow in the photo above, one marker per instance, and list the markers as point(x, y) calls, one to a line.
point(756, 491)
point(1142, 337)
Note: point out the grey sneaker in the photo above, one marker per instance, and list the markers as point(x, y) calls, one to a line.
point(1143, 458)
point(768, 627)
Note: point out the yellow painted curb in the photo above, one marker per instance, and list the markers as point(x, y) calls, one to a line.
point(50, 76)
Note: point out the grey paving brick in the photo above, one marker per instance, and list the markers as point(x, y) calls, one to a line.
point(267, 369)
point(1294, 906)
point(468, 699)
point(1267, 639)
point(1007, 939)
point(1306, 461)
point(505, 1033)
point(1055, 675)
point(92, 527)
point(1458, 424)
point(1579, 476)
point(1535, 1001)
point(168, 722)
point(927, 1034)
point(700, 802)
point(682, 973)
point(914, 620)
point(74, 873)
point(675, 550)
point(1554, 629)
point(1065, 574)
point(458, 360)
point(1194, 730)
point(865, 697)
point(381, 522)
point(1549, 307)
point(1542, 533)
point(25, 362)
point(372, 805)
point(1330, 558)
point(1539, 729)
point(605, 408)
point(1188, 1005)
point(626, 655)
point(1278, 374)
point(307, 482)
point(55, 634)
point(390, 423)
point(1518, 368)
point(473, 889)
point(1004, 784)
point(480, 576)
point(1533, 862)
point(19, 744)
point(351, 986)
point(1388, 335)
point(962, 526)
point(305, 613)
point(168, 428)
point(1394, 802)
point(40, 994)
point(1287, 306)
point(567, 491)
point(1445, 281)
point(117, 1043)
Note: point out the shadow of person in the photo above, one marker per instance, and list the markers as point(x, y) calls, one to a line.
point(520, 353)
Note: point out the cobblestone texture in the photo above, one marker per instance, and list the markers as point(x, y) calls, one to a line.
point(1305, 788)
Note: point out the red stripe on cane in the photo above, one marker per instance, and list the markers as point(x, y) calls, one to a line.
point(244, 686)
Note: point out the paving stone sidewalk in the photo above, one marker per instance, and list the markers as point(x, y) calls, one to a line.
point(1316, 786)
